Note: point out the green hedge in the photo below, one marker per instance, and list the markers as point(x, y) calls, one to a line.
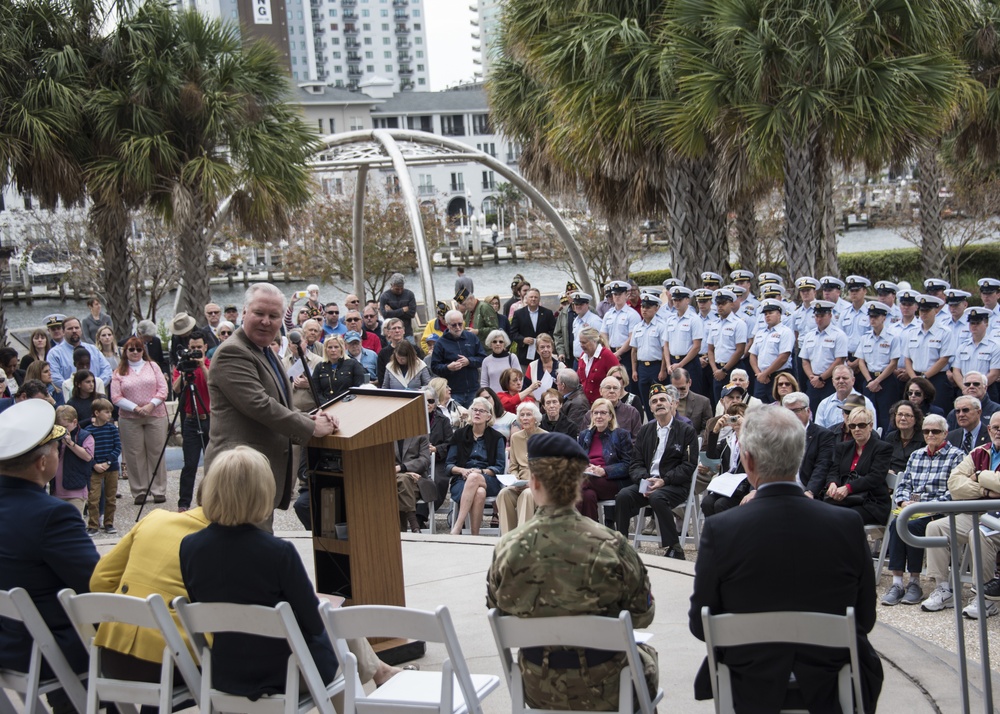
point(895, 265)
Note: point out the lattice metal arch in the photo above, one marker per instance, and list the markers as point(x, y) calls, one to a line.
point(398, 149)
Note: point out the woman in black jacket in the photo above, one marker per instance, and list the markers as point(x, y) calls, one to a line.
point(338, 373)
point(440, 436)
point(860, 469)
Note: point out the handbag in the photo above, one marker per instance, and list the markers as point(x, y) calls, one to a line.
point(854, 499)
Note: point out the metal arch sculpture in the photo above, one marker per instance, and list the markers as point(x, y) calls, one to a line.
point(399, 149)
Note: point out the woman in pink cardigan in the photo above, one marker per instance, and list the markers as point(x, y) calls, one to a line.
point(139, 390)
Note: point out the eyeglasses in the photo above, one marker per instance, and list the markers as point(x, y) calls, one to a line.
point(932, 432)
point(972, 384)
point(964, 410)
point(224, 332)
point(994, 429)
point(494, 342)
point(369, 317)
point(904, 415)
point(133, 349)
point(352, 319)
point(477, 410)
point(432, 401)
point(859, 425)
point(912, 393)
point(333, 312)
point(601, 413)
point(213, 312)
point(798, 410)
point(456, 324)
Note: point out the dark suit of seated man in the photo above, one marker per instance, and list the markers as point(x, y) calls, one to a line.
point(44, 545)
point(820, 446)
point(761, 558)
point(669, 478)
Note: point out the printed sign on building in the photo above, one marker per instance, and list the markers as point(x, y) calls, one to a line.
point(262, 12)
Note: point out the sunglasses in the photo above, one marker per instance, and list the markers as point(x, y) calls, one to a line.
point(352, 319)
point(914, 394)
point(933, 432)
point(456, 324)
point(133, 349)
point(973, 384)
point(859, 425)
point(963, 410)
point(333, 312)
point(213, 312)
point(224, 332)
point(432, 401)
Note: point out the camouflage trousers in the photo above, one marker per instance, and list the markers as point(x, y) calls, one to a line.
point(589, 688)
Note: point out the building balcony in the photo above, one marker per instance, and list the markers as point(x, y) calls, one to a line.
point(405, 71)
point(477, 48)
point(400, 16)
point(349, 3)
point(474, 22)
point(350, 16)
point(400, 3)
point(457, 187)
point(474, 7)
point(354, 71)
point(474, 35)
point(405, 84)
point(322, 75)
point(350, 30)
point(404, 57)
point(403, 44)
point(352, 57)
point(319, 28)
point(476, 60)
point(426, 190)
point(489, 186)
point(352, 44)
point(402, 30)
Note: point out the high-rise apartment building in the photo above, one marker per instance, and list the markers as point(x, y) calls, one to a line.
point(485, 25)
point(339, 42)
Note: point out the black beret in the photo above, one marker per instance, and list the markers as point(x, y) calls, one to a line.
point(555, 444)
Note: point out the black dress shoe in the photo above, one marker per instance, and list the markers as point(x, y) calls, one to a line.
point(159, 499)
point(675, 552)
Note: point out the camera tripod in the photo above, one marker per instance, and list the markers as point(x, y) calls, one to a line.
point(188, 395)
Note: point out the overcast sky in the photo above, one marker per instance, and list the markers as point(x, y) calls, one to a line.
point(449, 41)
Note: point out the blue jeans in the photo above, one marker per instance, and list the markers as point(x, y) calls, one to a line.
point(194, 445)
point(902, 554)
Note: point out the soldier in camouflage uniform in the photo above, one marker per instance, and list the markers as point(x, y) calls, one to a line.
point(562, 563)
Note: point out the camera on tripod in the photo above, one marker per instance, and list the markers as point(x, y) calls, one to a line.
point(187, 360)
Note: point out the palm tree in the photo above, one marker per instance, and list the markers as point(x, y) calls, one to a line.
point(799, 84)
point(200, 117)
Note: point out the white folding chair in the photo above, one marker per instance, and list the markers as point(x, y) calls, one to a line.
point(881, 533)
point(590, 631)
point(489, 506)
point(601, 514)
point(17, 605)
point(276, 622)
point(89, 609)
point(799, 628)
point(451, 691)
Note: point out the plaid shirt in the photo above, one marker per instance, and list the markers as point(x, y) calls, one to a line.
point(926, 476)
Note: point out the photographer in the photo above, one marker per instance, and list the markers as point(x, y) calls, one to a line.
point(192, 368)
point(725, 446)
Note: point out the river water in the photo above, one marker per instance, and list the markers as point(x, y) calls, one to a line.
point(549, 276)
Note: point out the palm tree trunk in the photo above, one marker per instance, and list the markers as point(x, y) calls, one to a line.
point(110, 222)
point(696, 226)
point(746, 235)
point(193, 255)
point(619, 229)
point(801, 210)
point(929, 183)
point(827, 262)
point(3, 312)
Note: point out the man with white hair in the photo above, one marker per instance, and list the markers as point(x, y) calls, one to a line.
point(251, 395)
point(970, 431)
point(741, 569)
point(821, 445)
point(457, 357)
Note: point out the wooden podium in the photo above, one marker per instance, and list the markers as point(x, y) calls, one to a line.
point(352, 482)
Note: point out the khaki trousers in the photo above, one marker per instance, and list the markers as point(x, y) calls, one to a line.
point(938, 558)
point(142, 440)
point(515, 507)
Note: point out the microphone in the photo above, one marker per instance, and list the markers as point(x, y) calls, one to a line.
point(295, 338)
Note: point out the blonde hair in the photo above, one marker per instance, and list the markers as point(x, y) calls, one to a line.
point(612, 419)
point(440, 386)
point(619, 370)
point(65, 414)
point(339, 341)
point(238, 488)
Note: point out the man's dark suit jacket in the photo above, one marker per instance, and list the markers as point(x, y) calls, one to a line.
point(817, 459)
point(520, 327)
point(761, 558)
point(872, 468)
point(698, 409)
point(43, 548)
point(679, 460)
point(955, 437)
point(989, 407)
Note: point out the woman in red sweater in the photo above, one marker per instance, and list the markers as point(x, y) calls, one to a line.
point(596, 360)
point(511, 381)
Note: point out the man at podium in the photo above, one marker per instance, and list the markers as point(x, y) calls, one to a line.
point(251, 394)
